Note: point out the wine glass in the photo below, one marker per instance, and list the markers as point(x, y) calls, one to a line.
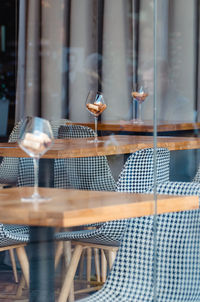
point(139, 94)
point(35, 139)
point(95, 104)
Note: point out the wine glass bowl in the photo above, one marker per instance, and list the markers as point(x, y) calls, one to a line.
point(35, 144)
point(97, 107)
point(95, 104)
point(35, 139)
point(139, 94)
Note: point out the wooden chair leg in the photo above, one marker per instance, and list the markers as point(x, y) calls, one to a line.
point(89, 264)
point(63, 267)
point(70, 274)
point(81, 265)
point(103, 266)
point(67, 249)
point(97, 264)
point(59, 251)
point(21, 286)
point(21, 254)
point(111, 256)
point(14, 267)
point(67, 257)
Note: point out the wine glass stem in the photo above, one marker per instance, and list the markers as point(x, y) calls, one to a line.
point(134, 109)
point(139, 111)
point(36, 172)
point(95, 127)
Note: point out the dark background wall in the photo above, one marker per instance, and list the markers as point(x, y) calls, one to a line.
point(8, 53)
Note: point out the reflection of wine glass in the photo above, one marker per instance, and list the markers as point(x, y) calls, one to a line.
point(139, 94)
point(35, 139)
point(96, 105)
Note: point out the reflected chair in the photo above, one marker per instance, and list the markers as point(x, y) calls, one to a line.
point(139, 170)
point(177, 257)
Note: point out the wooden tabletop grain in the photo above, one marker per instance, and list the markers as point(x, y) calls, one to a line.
point(147, 126)
point(74, 207)
point(110, 145)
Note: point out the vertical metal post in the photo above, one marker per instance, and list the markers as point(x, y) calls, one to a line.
point(155, 150)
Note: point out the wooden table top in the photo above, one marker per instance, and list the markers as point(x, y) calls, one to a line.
point(110, 145)
point(73, 207)
point(147, 126)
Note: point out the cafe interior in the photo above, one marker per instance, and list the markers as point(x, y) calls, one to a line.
point(99, 150)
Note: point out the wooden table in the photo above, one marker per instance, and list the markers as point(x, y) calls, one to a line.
point(147, 126)
point(114, 144)
point(67, 209)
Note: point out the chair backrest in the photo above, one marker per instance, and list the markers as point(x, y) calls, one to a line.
point(9, 165)
point(75, 131)
point(55, 124)
point(14, 135)
point(136, 176)
point(177, 259)
point(138, 172)
point(88, 173)
point(197, 176)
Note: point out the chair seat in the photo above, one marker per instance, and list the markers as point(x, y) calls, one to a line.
point(107, 234)
point(13, 234)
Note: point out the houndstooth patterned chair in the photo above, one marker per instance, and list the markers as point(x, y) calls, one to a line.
point(12, 235)
point(9, 165)
point(139, 171)
point(90, 173)
point(177, 260)
point(87, 173)
point(15, 237)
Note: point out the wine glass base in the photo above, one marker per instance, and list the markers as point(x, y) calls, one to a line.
point(94, 141)
point(35, 199)
point(137, 121)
